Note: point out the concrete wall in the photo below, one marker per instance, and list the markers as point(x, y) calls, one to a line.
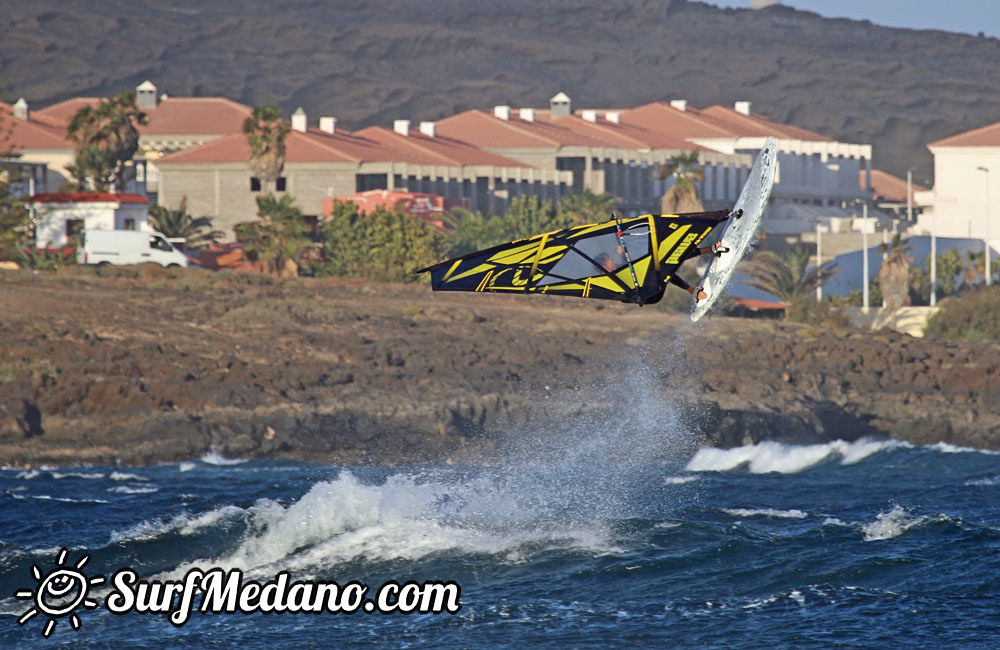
point(51, 218)
point(959, 198)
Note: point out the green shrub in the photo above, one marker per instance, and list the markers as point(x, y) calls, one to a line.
point(972, 316)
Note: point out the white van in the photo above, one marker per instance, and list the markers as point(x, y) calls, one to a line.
point(127, 247)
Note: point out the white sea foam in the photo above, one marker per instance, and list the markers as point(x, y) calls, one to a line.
point(771, 456)
point(890, 524)
point(215, 458)
point(46, 497)
point(948, 448)
point(124, 489)
point(765, 512)
point(83, 475)
point(987, 481)
point(183, 524)
point(29, 474)
point(679, 480)
point(125, 476)
point(186, 466)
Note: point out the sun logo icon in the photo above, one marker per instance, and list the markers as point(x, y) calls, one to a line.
point(59, 593)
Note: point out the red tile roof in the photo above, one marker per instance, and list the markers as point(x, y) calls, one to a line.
point(234, 149)
point(87, 197)
point(437, 150)
point(312, 147)
point(666, 120)
point(484, 129)
point(172, 116)
point(753, 304)
point(887, 187)
point(984, 136)
point(755, 125)
point(34, 133)
point(621, 134)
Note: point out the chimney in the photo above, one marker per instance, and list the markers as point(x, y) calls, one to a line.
point(503, 112)
point(328, 125)
point(402, 127)
point(428, 129)
point(679, 104)
point(560, 106)
point(528, 114)
point(299, 120)
point(742, 107)
point(145, 95)
point(589, 115)
point(21, 111)
point(614, 117)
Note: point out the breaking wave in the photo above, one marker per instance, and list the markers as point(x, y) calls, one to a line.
point(771, 456)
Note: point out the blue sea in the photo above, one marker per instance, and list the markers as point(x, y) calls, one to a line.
point(570, 540)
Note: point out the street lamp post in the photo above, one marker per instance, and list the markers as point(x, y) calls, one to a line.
point(986, 239)
point(864, 259)
point(909, 195)
point(819, 261)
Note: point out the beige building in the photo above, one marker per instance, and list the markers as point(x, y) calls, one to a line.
point(605, 152)
point(39, 146)
point(327, 162)
point(175, 124)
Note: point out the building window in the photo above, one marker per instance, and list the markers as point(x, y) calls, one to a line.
point(254, 184)
point(365, 182)
point(279, 186)
point(73, 227)
point(130, 224)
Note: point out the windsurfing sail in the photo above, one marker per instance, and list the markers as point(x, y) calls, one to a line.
point(588, 261)
point(741, 229)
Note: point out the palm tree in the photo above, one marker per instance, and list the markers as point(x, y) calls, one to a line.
point(894, 276)
point(587, 207)
point(278, 239)
point(106, 138)
point(266, 132)
point(787, 277)
point(683, 196)
point(178, 224)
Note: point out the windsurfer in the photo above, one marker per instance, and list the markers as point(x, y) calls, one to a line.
point(717, 249)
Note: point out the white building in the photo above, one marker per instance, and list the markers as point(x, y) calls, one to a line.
point(57, 217)
point(965, 200)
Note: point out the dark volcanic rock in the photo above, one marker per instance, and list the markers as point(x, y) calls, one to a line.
point(374, 61)
point(115, 367)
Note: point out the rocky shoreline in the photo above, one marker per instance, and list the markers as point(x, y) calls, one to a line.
point(147, 365)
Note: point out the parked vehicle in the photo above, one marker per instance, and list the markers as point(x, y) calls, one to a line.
point(127, 247)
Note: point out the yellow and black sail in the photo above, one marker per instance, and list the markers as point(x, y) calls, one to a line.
point(587, 261)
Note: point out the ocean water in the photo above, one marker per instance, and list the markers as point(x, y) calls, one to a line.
point(575, 544)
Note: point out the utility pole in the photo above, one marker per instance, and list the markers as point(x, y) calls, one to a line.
point(986, 239)
point(864, 259)
point(909, 195)
point(819, 261)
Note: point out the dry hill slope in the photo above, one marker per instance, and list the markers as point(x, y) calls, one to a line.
point(374, 60)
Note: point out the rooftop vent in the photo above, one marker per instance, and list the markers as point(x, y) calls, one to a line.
point(145, 95)
point(503, 112)
point(614, 117)
point(589, 115)
point(328, 125)
point(679, 104)
point(300, 122)
point(21, 111)
point(402, 127)
point(528, 114)
point(428, 129)
point(560, 105)
point(742, 107)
